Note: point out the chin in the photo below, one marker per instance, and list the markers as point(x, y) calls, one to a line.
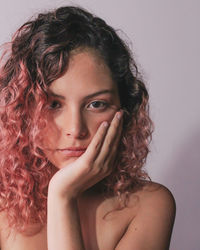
point(64, 163)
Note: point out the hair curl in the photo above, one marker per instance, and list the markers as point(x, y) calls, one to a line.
point(38, 54)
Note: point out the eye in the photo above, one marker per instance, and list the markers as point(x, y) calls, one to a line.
point(98, 104)
point(55, 105)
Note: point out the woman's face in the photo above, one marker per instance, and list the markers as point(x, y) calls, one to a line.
point(79, 102)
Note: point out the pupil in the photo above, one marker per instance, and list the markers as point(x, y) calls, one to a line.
point(96, 104)
point(54, 104)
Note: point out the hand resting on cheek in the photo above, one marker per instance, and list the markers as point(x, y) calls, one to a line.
point(93, 165)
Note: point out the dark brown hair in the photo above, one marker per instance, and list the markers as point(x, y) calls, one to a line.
point(38, 54)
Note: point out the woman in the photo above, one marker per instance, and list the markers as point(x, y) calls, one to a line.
point(75, 132)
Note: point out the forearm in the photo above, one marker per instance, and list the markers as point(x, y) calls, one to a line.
point(63, 224)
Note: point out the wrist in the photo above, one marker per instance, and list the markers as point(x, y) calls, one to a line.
point(55, 192)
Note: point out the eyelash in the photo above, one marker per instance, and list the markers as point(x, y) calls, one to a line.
point(105, 104)
point(53, 102)
point(58, 105)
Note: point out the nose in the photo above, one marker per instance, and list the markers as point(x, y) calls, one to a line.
point(75, 125)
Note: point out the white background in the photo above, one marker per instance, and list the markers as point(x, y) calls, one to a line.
point(166, 43)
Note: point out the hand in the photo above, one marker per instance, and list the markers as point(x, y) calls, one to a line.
point(92, 166)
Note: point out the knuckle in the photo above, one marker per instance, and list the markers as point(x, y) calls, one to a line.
point(106, 169)
point(117, 123)
point(96, 169)
point(109, 143)
point(97, 145)
point(88, 169)
point(100, 170)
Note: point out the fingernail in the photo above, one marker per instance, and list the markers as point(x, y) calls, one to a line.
point(105, 124)
point(119, 114)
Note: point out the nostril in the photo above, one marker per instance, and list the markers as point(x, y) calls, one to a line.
point(77, 134)
point(75, 126)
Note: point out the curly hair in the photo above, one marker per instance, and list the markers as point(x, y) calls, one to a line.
point(37, 55)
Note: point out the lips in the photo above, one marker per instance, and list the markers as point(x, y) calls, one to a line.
point(72, 151)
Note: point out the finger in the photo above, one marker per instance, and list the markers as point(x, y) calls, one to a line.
point(112, 138)
point(96, 143)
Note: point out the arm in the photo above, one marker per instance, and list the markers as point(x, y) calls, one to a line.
point(63, 225)
point(64, 231)
point(151, 228)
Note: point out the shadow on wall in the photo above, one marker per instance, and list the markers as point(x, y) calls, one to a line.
point(184, 180)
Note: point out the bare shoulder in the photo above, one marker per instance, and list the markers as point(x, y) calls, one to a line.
point(152, 224)
point(156, 200)
point(156, 195)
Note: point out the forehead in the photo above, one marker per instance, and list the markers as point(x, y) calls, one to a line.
point(88, 61)
point(86, 72)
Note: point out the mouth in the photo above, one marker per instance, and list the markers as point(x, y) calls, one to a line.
point(72, 151)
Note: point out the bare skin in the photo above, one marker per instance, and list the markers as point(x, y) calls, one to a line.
point(105, 233)
point(78, 216)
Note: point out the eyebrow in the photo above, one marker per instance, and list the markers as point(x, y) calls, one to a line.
point(105, 91)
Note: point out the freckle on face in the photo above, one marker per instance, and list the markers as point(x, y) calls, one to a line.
point(76, 121)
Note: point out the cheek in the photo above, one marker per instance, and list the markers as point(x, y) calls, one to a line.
point(50, 135)
point(95, 121)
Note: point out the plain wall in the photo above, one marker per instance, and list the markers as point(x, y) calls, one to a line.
point(165, 39)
